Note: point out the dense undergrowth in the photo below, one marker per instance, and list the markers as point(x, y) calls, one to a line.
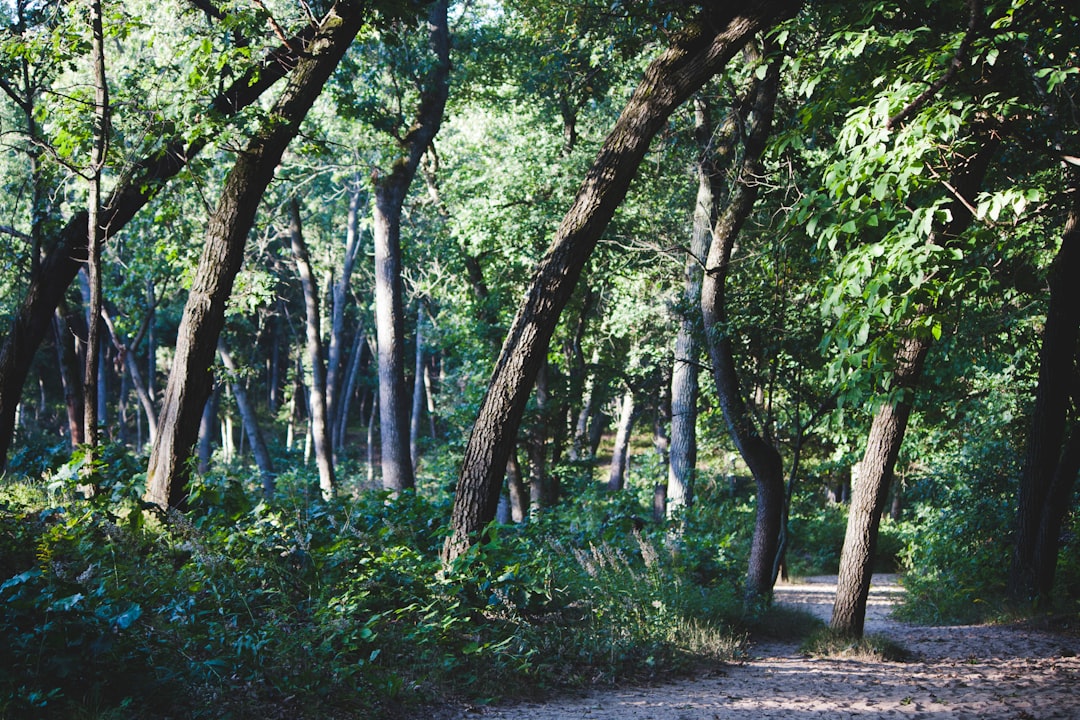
point(301, 608)
point(305, 608)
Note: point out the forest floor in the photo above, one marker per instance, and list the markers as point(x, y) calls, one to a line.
point(1012, 672)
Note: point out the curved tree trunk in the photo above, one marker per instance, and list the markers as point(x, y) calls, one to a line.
point(1042, 495)
point(696, 54)
point(204, 314)
point(57, 270)
point(320, 423)
point(390, 192)
point(760, 455)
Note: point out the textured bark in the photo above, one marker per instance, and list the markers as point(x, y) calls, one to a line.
point(204, 313)
point(871, 489)
point(1041, 499)
point(251, 424)
point(57, 270)
point(95, 231)
point(390, 191)
point(759, 454)
point(320, 422)
point(684, 372)
point(696, 54)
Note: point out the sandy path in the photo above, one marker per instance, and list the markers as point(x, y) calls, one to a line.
point(971, 672)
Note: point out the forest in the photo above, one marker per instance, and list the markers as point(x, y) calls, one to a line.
point(358, 356)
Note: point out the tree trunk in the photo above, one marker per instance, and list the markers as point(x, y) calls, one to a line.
point(95, 231)
point(251, 424)
point(418, 391)
point(356, 360)
point(684, 373)
point(204, 313)
point(871, 489)
point(206, 431)
point(68, 360)
point(759, 454)
point(620, 453)
point(390, 191)
point(320, 423)
point(696, 54)
point(135, 188)
point(519, 499)
point(337, 319)
point(1032, 570)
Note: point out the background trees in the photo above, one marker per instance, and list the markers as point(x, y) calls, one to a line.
point(910, 207)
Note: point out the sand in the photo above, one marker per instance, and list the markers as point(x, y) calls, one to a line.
point(981, 671)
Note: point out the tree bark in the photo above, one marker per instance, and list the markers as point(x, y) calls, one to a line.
point(251, 424)
point(390, 191)
point(57, 270)
point(204, 313)
point(1046, 462)
point(697, 53)
point(320, 423)
point(95, 231)
point(759, 454)
point(684, 372)
point(871, 489)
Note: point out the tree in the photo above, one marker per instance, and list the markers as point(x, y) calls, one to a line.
point(390, 190)
point(52, 274)
point(1053, 452)
point(320, 421)
point(696, 53)
point(204, 313)
point(756, 449)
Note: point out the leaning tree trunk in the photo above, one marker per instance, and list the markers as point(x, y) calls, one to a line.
point(696, 54)
point(204, 314)
point(320, 422)
point(620, 453)
point(251, 424)
point(872, 489)
point(134, 189)
point(1032, 571)
point(760, 455)
point(887, 430)
point(390, 192)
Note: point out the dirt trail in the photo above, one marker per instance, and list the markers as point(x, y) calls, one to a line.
point(960, 673)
